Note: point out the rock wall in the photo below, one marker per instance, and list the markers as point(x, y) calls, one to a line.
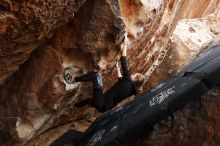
point(196, 123)
point(40, 38)
point(63, 33)
point(26, 25)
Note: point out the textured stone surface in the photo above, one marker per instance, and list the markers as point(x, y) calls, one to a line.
point(27, 24)
point(31, 89)
point(63, 34)
point(97, 30)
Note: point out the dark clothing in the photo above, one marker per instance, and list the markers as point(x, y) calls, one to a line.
point(125, 71)
point(119, 91)
point(67, 139)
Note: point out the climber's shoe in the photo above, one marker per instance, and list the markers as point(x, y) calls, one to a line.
point(69, 72)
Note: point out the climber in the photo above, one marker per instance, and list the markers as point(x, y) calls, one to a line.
point(126, 86)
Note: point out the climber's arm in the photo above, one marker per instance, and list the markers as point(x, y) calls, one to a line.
point(124, 50)
point(118, 70)
point(124, 64)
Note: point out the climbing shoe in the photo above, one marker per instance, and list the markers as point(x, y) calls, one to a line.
point(69, 73)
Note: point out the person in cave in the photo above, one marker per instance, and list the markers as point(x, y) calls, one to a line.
point(126, 86)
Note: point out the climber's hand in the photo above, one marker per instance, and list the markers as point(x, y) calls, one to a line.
point(117, 65)
point(124, 50)
point(118, 70)
point(124, 47)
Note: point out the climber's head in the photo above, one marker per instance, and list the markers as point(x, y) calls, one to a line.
point(138, 80)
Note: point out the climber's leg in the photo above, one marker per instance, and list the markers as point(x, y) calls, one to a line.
point(97, 80)
point(91, 76)
point(98, 101)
